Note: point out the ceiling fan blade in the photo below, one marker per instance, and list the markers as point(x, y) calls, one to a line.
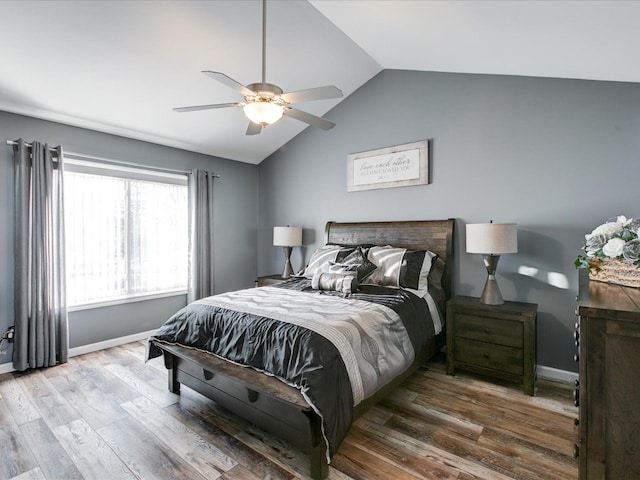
point(195, 108)
point(253, 128)
point(308, 118)
point(229, 82)
point(319, 93)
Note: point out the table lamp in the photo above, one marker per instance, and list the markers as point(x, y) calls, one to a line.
point(491, 240)
point(287, 237)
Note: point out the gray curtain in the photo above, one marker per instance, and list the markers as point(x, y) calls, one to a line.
point(200, 235)
point(41, 334)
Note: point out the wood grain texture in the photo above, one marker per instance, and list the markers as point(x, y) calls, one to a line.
point(434, 426)
point(146, 455)
point(49, 402)
point(16, 457)
point(609, 391)
point(35, 474)
point(16, 401)
point(48, 452)
point(91, 454)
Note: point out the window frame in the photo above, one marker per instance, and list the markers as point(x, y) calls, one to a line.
point(79, 164)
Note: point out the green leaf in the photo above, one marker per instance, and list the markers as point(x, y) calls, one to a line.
point(581, 262)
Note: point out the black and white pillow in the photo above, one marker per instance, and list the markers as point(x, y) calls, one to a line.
point(356, 262)
point(323, 257)
point(399, 267)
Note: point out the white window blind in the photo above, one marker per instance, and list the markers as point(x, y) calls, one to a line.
point(126, 233)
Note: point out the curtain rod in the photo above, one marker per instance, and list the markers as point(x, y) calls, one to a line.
point(29, 145)
point(113, 161)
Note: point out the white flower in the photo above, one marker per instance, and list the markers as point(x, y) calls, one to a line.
point(608, 228)
point(613, 248)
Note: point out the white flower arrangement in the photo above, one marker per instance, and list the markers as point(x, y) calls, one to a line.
point(618, 238)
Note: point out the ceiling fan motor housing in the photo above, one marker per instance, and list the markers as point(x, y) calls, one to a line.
point(265, 90)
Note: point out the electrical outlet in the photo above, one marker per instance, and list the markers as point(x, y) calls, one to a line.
point(8, 335)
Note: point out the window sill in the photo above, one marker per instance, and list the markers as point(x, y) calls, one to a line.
point(121, 301)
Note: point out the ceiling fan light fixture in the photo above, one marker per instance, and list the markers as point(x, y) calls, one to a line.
point(263, 113)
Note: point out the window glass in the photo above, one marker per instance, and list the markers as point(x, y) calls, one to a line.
point(124, 237)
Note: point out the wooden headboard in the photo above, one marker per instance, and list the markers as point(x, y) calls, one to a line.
point(434, 235)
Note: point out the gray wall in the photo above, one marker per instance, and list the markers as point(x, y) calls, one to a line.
point(235, 217)
point(557, 157)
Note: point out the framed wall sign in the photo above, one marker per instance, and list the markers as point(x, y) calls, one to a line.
point(397, 166)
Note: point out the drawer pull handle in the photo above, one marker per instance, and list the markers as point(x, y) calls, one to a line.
point(252, 394)
point(576, 358)
point(576, 451)
point(207, 374)
point(487, 331)
point(576, 421)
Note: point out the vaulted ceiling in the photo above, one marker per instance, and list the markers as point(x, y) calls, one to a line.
point(121, 66)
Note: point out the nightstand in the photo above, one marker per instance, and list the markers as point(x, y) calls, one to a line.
point(268, 280)
point(493, 340)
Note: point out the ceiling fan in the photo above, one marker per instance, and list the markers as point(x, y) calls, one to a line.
point(265, 103)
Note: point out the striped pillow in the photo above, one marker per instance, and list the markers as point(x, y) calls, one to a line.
point(323, 257)
point(399, 267)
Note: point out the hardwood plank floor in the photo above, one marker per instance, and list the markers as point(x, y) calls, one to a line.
point(108, 415)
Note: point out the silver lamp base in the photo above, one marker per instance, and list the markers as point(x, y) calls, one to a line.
point(491, 293)
point(288, 270)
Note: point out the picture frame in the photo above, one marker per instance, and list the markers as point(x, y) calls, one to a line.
point(398, 166)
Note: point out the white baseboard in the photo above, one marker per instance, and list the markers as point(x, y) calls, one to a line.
point(6, 368)
point(113, 342)
point(92, 347)
point(556, 374)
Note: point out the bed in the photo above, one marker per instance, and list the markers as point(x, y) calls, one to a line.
point(312, 421)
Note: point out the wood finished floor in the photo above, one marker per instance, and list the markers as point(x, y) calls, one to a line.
point(107, 415)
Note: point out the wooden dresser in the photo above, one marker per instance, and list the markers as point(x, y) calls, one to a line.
point(608, 392)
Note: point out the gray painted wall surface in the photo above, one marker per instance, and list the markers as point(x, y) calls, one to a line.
point(235, 240)
point(558, 157)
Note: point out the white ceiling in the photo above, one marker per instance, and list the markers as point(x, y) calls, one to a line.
point(121, 66)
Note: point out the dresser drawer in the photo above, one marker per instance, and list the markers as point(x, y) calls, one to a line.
point(488, 355)
point(487, 329)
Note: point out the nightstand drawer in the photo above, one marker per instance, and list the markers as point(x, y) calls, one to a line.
point(488, 355)
point(491, 330)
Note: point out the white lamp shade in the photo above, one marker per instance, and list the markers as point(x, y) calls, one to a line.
point(287, 236)
point(263, 113)
point(492, 238)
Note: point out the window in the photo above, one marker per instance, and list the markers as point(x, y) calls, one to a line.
point(126, 233)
